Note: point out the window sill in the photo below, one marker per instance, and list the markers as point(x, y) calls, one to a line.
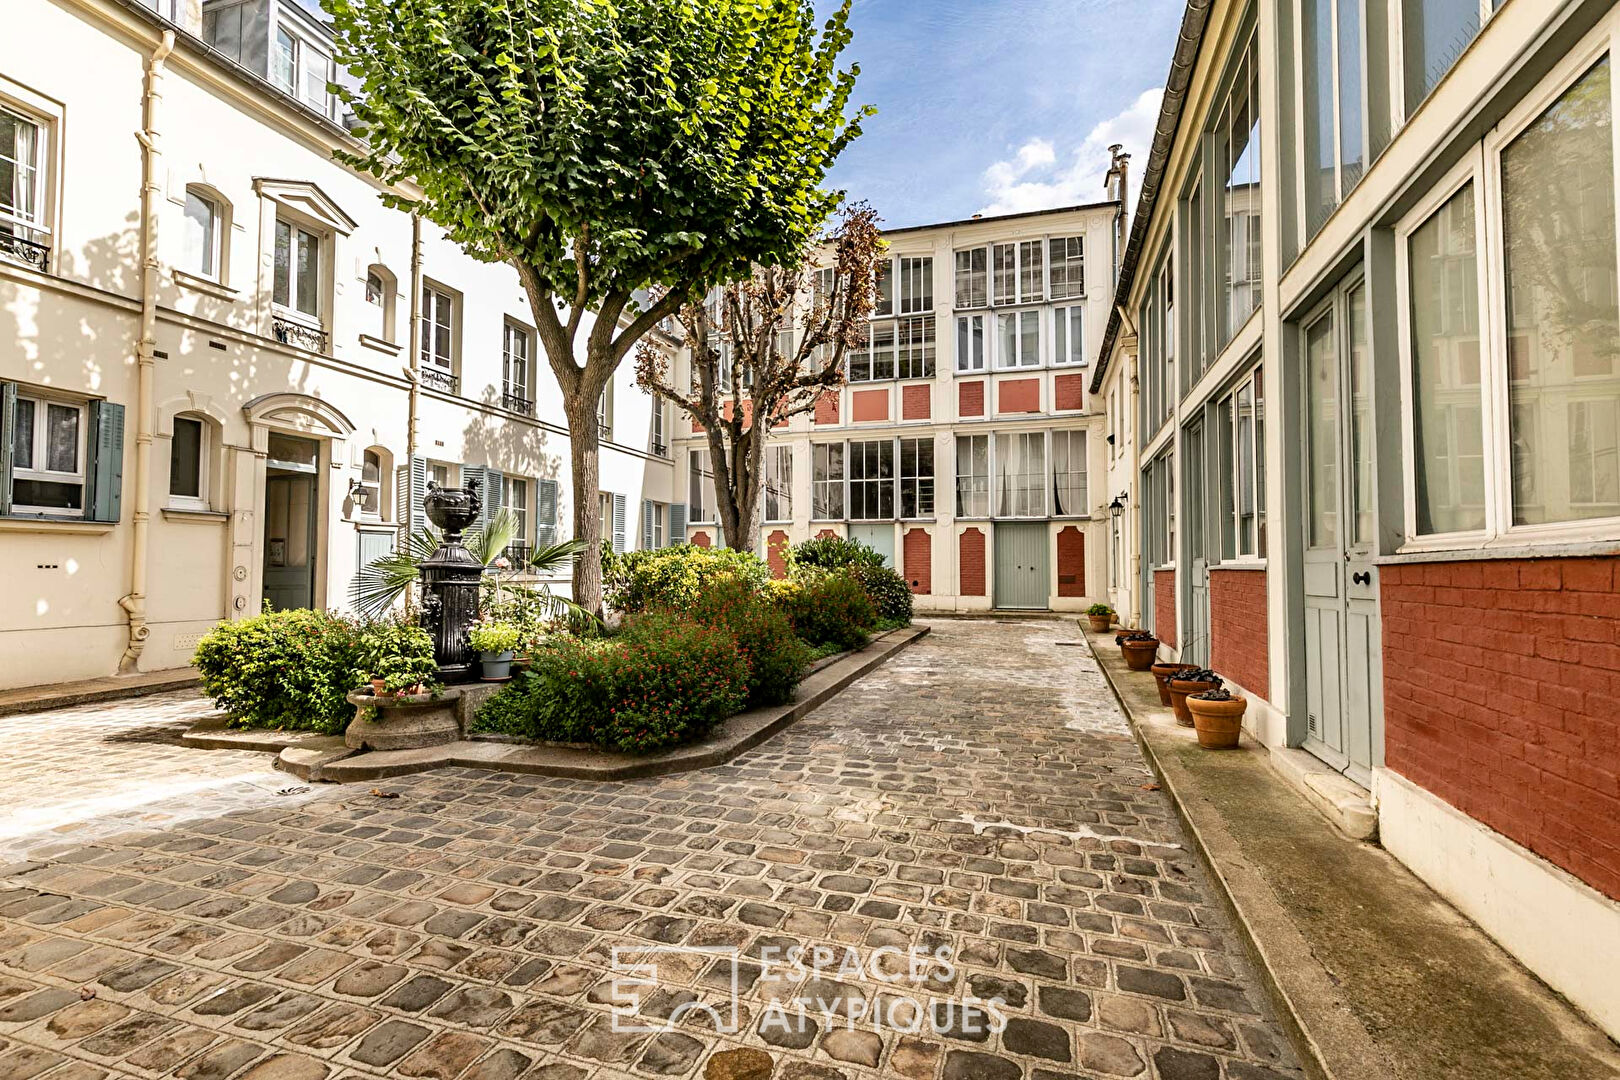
point(56, 525)
point(195, 517)
point(389, 347)
point(1239, 564)
point(1516, 549)
point(198, 283)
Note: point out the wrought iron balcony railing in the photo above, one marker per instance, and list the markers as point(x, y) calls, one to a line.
point(24, 251)
point(439, 379)
point(304, 336)
point(659, 449)
point(517, 403)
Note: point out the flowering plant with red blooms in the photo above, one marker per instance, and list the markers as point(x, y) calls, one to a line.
point(777, 659)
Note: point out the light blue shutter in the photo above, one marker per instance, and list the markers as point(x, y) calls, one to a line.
point(410, 494)
point(372, 546)
point(106, 469)
point(620, 530)
point(677, 524)
point(646, 524)
point(493, 495)
point(8, 421)
point(545, 513)
point(469, 473)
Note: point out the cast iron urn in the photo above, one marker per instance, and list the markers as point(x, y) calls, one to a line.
point(450, 580)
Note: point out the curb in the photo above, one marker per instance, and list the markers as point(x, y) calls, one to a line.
point(113, 688)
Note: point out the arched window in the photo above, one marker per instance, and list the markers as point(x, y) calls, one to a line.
point(381, 289)
point(205, 235)
point(376, 481)
point(191, 450)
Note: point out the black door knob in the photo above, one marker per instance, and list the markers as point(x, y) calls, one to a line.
point(1363, 578)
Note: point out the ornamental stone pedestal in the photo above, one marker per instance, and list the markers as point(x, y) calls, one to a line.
point(450, 580)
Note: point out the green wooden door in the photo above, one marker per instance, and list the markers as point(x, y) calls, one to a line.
point(1022, 566)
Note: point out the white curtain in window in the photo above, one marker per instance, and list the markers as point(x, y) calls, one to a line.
point(1020, 466)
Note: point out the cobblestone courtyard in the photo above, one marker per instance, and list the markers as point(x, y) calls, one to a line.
point(171, 912)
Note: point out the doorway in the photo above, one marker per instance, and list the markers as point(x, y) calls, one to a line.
point(1342, 657)
point(1193, 639)
point(291, 514)
point(879, 538)
point(1022, 571)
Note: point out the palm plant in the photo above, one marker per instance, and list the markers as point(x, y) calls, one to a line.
point(378, 586)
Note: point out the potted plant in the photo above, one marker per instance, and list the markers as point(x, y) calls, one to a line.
point(494, 641)
point(1140, 649)
point(1195, 681)
point(1218, 718)
point(1162, 674)
point(1101, 616)
point(397, 658)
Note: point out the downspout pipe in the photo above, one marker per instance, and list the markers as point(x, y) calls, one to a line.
point(134, 603)
point(413, 377)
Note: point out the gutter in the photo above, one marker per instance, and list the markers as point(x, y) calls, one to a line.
point(1193, 22)
point(134, 602)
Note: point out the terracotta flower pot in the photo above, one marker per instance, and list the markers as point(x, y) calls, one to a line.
point(1218, 722)
point(1162, 674)
point(1179, 689)
point(379, 687)
point(1139, 655)
point(1100, 623)
point(1121, 635)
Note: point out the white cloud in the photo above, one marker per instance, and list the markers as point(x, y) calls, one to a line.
point(1035, 179)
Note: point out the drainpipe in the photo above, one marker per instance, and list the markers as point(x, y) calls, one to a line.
point(134, 603)
point(412, 376)
point(1133, 508)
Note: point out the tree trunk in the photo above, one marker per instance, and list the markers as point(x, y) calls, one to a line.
point(584, 452)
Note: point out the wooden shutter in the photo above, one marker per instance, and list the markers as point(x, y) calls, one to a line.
point(8, 421)
point(372, 546)
point(620, 530)
point(646, 524)
point(677, 525)
point(493, 495)
point(410, 492)
point(545, 513)
point(105, 470)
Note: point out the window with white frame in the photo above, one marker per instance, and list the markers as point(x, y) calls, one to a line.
point(22, 186)
point(1237, 221)
point(302, 70)
point(1020, 474)
point(917, 477)
point(871, 480)
point(700, 501)
point(438, 330)
point(915, 353)
point(188, 463)
point(1242, 422)
point(779, 483)
point(972, 278)
point(877, 359)
point(48, 454)
point(1068, 334)
point(604, 414)
point(827, 481)
point(515, 500)
point(202, 235)
point(517, 358)
point(1068, 473)
point(660, 436)
point(883, 296)
point(656, 516)
point(1333, 125)
point(1018, 339)
point(1434, 34)
point(916, 276)
point(373, 476)
point(1068, 267)
point(296, 282)
point(972, 476)
point(970, 343)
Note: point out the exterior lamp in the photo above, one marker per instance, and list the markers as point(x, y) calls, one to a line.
point(360, 493)
point(1117, 507)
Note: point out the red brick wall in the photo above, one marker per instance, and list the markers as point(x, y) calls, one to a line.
point(827, 407)
point(868, 405)
point(916, 402)
point(825, 534)
point(1068, 392)
point(1239, 647)
point(970, 398)
point(1071, 561)
point(1018, 396)
point(919, 556)
point(1500, 687)
point(970, 559)
point(701, 539)
point(1164, 606)
point(776, 553)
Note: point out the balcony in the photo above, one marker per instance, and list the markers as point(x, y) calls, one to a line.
point(436, 378)
point(27, 252)
point(659, 449)
point(298, 334)
point(517, 403)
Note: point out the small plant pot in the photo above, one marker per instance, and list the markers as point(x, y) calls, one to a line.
point(497, 666)
point(1162, 674)
point(522, 663)
point(1179, 689)
point(379, 687)
point(1139, 655)
point(1219, 723)
point(1100, 623)
point(1121, 635)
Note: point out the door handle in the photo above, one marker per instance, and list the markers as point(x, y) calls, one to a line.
point(1363, 578)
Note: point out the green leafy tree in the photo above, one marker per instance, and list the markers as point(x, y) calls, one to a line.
point(602, 149)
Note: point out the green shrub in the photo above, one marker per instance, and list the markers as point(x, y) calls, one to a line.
point(674, 577)
point(890, 594)
point(398, 653)
point(777, 659)
point(1099, 610)
point(832, 609)
point(283, 669)
point(661, 682)
point(833, 553)
point(494, 636)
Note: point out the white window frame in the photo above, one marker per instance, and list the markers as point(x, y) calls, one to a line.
point(988, 478)
point(515, 498)
point(1069, 262)
point(821, 489)
point(874, 483)
point(1044, 476)
point(914, 277)
point(700, 481)
point(916, 347)
point(523, 386)
point(290, 308)
point(778, 486)
point(960, 275)
point(34, 228)
point(39, 454)
point(216, 240)
point(1064, 316)
point(916, 478)
point(966, 361)
point(437, 300)
point(198, 501)
point(1397, 56)
point(1020, 361)
point(660, 432)
point(1069, 435)
point(1252, 380)
point(1482, 167)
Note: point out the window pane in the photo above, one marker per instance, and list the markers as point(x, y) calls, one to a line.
point(1005, 259)
point(1350, 156)
point(185, 459)
point(309, 272)
point(1030, 284)
point(1361, 420)
point(1029, 348)
point(970, 278)
point(1068, 472)
point(62, 438)
point(47, 495)
point(1448, 451)
point(827, 488)
point(1021, 475)
point(1321, 187)
point(700, 482)
point(22, 436)
point(1559, 244)
point(916, 285)
point(885, 289)
point(283, 62)
point(1434, 33)
point(973, 476)
point(199, 235)
point(1242, 198)
point(280, 290)
point(882, 361)
point(1007, 345)
point(1322, 432)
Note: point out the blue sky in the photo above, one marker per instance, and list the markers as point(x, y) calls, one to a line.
point(1001, 105)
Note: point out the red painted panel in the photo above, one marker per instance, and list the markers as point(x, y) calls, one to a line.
point(919, 560)
point(1018, 396)
point(970, 398)
point(1164, 606)
point(1239, 628)
point(827, 407)
point(1071, 561)
point(1068, 392)
point(868, 405)
point(970, 557)
point(916, 402)
point(776, 546)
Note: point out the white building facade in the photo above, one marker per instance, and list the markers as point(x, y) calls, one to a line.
point(228, 420)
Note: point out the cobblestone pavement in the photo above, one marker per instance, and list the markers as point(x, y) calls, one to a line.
point(978, 800)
